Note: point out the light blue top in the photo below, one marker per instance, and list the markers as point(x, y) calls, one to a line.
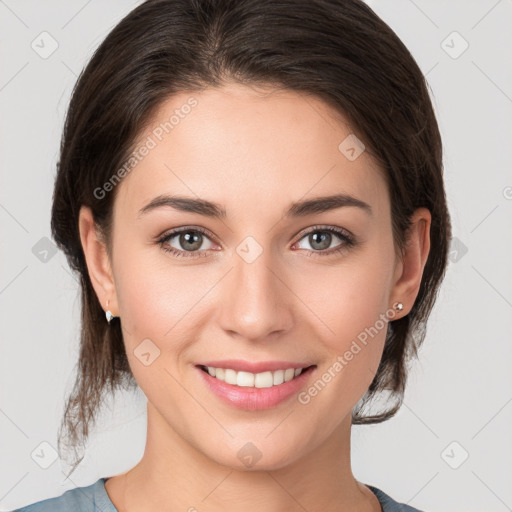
point(94, 498)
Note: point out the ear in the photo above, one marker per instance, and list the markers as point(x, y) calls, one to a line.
point(98, 263)
point(409, 270)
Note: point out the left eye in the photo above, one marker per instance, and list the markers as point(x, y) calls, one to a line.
point(321, 239)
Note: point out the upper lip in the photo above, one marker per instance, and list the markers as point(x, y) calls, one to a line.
point(254, 367)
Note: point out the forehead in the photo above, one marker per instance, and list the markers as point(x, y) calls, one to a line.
point(249, 147)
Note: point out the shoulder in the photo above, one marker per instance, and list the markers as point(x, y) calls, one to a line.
point(389, 504)
point(91, 498)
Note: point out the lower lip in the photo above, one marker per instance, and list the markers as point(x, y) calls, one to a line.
point(255, 399)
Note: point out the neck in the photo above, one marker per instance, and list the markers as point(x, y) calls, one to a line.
point(174, 475)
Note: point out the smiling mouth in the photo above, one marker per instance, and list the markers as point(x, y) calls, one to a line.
point(256, 380)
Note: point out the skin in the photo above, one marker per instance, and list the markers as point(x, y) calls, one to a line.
point(254, 151)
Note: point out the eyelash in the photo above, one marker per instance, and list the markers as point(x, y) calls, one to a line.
point(348, 241)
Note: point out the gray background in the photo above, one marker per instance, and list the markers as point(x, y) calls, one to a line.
point(458, 402)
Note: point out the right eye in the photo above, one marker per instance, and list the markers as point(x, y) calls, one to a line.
point(190, 239)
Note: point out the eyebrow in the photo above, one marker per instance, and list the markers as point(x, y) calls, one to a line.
point(215, 210)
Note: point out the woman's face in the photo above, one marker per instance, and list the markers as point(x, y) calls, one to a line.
point(266, 282)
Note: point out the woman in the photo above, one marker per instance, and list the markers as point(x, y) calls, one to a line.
point(251, 193)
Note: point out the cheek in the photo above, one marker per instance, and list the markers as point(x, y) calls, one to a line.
point(153, 292)
point(153, 307)
point(163, 302)
point(350, 317)
point(346, 299)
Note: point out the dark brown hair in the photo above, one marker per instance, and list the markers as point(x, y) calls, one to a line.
point(338, 50)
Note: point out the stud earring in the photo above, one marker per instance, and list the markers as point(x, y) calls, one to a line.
point(399, 306)
point(109, 314)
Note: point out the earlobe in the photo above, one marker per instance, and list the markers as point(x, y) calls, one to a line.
point(408, 280)
point(97, 260)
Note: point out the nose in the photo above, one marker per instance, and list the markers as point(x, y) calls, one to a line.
point(256, 299)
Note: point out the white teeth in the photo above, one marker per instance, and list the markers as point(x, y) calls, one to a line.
point(229, 376)
point(244, 379)
point(258, 380)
